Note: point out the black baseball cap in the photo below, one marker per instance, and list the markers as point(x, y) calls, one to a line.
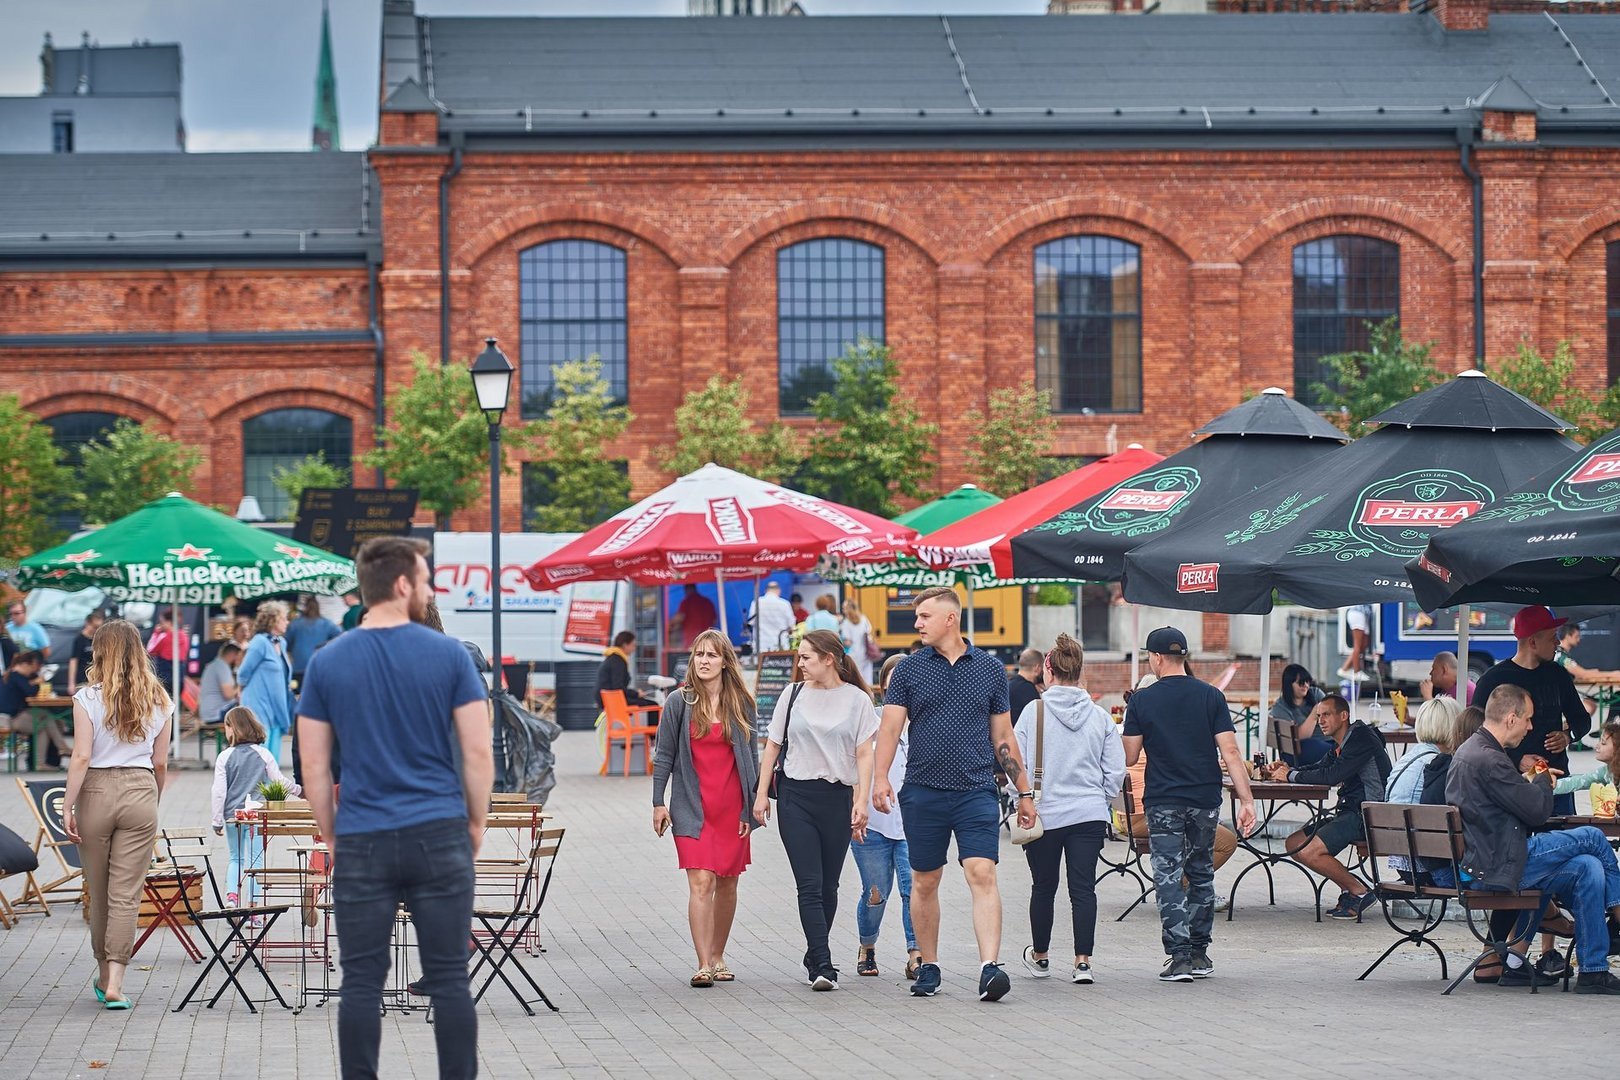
point(1167, 641)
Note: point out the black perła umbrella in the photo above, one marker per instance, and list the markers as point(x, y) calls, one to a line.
point(1554, 540)
point(1340, 530)
point(1265, 437)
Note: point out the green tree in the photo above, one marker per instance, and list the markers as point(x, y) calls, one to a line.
point(128, 467)
point(1364, 384)
point(313, 471)
point(1011, 442)
point(34, 484)
point(713, 424)
point(586, 485)
point(868, 445)
point(437, 441)
point(1549, 381)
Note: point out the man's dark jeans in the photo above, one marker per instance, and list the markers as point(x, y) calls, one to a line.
point(429, 868)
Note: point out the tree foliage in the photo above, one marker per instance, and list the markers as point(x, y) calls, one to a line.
point(1011, 440)
point(713, 423)
point(34, 484)
point(313, 471)
point(1549, 381)
point(869, 444)
point(586, 485)
point(128, 467)
point(437, 441)
point(1365, 383)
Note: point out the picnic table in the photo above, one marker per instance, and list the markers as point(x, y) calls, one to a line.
point(1276, 794)
point(1608, 825)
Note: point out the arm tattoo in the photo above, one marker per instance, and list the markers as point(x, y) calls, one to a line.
point(1009, 764)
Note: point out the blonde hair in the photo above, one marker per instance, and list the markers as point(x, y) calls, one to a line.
point(1436, 721)
point(829, 646)
point(852, 611)
point(242, 726)
point(130, 690)
point(736, 703)
point(266, 616)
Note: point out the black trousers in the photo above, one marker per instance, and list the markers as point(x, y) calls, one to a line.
point(1078, 846)
point(813, 817)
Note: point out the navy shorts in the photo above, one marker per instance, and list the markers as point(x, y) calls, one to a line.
point(932, 814)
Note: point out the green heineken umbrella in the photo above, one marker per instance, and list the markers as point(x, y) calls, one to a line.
point(906, 572)
point(175, 551)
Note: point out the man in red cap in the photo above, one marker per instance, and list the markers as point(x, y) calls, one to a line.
point(1551, 689)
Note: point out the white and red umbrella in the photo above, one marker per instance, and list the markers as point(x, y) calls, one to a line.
point(718, 523)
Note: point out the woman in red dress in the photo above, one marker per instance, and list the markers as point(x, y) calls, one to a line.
point(708, 764)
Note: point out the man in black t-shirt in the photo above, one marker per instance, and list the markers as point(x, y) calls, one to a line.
point(1024, 685)
point(1552, 691)
point(79, 655)
point(1186, 728)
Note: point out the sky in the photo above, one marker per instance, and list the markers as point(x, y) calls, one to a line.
point(248, 66)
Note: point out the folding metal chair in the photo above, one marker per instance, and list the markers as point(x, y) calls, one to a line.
point(192, 846)
point(505, 930)
point(1137, 850)
point(162, 888)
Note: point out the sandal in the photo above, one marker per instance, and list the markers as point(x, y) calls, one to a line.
point(866, 961)
point(95, 984)
point(703, 979)
point(722, 973)
point(913, 965)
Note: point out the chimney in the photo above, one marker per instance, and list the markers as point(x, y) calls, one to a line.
point(47, 61)
point(1462, 14)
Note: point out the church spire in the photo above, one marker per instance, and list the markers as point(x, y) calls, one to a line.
point(325, 135)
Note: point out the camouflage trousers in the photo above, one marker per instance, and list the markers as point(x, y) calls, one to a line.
point(1183, 842)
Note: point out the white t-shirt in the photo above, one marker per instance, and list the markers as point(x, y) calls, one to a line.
point(107, 750)
point(827, 727)
point(889, 823)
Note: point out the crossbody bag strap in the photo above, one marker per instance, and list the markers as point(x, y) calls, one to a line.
point(1040, 742)
point(781, 762)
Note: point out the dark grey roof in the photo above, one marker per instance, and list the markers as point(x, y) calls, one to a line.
point(205, 205)
point(1472, 401)
point(117, 69)
point(1207, 73)
point(1272, 412)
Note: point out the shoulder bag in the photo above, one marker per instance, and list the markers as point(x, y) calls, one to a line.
point(1021, 835)
point(781, 759)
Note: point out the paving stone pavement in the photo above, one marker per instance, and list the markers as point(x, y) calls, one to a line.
point(1284, 1001)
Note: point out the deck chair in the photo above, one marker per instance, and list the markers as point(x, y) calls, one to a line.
point(504, 929)
point(46, 799)
point(625, 724)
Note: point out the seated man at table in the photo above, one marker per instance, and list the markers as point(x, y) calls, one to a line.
point(1499, 808)
point(1442, 680)
point(1360, 767)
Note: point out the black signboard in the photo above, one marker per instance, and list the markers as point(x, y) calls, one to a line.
point(339, 520)
point(775, 676)
point(675, 663)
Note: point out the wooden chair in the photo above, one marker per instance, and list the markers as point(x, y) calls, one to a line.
point(45, 799)
point(1283, 737)
point(624, 725)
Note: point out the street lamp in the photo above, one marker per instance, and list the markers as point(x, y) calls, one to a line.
point(492, 382)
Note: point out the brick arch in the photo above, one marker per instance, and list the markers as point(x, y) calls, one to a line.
point(528, 219)
point(1099, 206)
point(121, 394)
point(1603, 223)
point(1384, 218)
point(878, 215)
point(259, 399)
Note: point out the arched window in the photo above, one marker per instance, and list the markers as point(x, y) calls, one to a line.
point(1088, 324)
point(281, 439)
point(829, 295)
point(1613, 307)
point(70, 432)
point(572, 300)
point(1342, 286)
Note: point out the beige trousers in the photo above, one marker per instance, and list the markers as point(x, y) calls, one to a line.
point(117, 818)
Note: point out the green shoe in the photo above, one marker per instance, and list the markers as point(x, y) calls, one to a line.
point(123, 1003)
point(101, 995)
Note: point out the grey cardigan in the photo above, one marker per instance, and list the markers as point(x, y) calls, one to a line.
point(672, 760)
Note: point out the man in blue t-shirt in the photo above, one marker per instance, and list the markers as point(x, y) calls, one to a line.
point(1186, 728)
point(954, 699)
point(404, 703)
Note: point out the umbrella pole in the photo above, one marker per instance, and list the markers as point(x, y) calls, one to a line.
point(969, 631)
point(1462, 653)
point(1136, 636)
point(1265, 678)
point(174, 670)
point(720, 594)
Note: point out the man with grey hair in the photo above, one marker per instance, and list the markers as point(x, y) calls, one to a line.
point(1442, 680)
point(1024, 684)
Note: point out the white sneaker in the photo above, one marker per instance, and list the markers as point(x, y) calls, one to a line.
point(1223, 903)
point(1082, 974)
point(1040, 969)
point(1358, 676)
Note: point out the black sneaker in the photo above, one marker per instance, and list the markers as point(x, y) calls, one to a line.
point(1350, 907)
point(1522, 976)
point(993, 983)
point(1177, 969)
point(1597, 982)
point(1202, 966)
point(927, 984)
point(1040, 969)
point(826, 980)
point(1551, 965)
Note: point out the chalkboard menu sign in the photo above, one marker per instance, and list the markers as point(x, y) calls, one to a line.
point(675, 664)
point(775, 676)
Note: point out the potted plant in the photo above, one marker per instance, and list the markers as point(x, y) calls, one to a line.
point(274, 794)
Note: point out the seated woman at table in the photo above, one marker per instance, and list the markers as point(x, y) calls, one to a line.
point(1299, 696)
point(20, 684)
point(1434, 726)
point(238, 772)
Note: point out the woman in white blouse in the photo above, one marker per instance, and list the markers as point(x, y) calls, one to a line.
point(120, 746)
point(827, 723)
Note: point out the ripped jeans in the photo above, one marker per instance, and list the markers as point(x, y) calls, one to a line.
point(882, 862)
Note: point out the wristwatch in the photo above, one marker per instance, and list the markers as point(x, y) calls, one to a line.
point(1026, 794)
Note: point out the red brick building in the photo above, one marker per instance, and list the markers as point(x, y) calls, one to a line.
point(1149, 216)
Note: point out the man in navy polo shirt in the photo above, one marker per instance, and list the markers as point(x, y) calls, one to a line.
point(954, 696)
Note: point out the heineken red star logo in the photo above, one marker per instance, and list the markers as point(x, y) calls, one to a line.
point(292, 552)
point(82, 556)
point(187, 551)
point(57, 574)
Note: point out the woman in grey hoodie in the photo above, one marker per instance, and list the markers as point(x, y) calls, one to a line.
point(1078, 765)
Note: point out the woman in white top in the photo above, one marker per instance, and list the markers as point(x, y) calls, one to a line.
point(120, 745)
point(1078, 763)
point(856, 630)
point(884, 861)
point(827, 723)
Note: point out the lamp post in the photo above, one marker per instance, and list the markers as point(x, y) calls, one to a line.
point(492, 382)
